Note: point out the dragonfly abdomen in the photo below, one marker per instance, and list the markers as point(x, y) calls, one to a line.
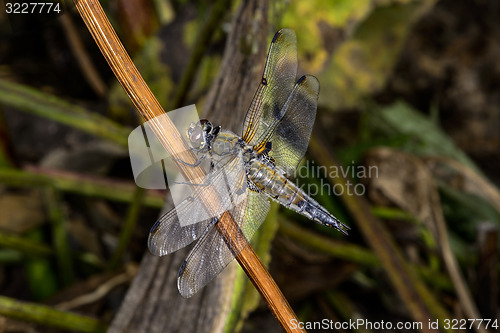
point(270, 181)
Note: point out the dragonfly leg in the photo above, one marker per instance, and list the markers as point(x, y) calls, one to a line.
point(207, 179)
point(194, 165)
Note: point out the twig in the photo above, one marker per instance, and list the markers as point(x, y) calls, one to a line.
point(86, 66)
point(97, 294)
point(149, 108)
point(487, 273)
point(443, 239)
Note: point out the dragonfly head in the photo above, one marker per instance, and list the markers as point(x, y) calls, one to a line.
point(201, 133)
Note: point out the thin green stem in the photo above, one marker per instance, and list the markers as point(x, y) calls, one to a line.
point(45, 315)
point(128, 228)
point(206, 32)
point(338, 249)
point(30, 100)
point(353, 253)
point(8, 256)
point(79, 184)
point(59, 236)
point(24, 245)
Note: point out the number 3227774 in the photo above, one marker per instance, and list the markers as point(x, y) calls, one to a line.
point(32, 8)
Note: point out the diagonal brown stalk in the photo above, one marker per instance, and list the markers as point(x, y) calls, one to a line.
point(149, 108)
point(422, 305)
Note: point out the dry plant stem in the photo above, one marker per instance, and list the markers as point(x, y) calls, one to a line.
point(149, 108)
point(487, 274)
point(97, 294)
point(420, 301)
point(86, 66)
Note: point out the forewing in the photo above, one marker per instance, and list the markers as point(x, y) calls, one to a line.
point(167, 235)
point(276, 84)
point(290, 136)
point(190, 219)
point(211, 254)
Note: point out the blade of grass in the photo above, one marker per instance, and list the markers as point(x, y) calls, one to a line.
point(24, 245)
point(351, 252)
point(87, 68)
point(335, 248)
point(45, 315)
point(59, 236)
point(42, 281)
point(8, 256)
point(30, 100)
point(199, 51)
point(92, 186)
point(346, 309)
point(128, 228)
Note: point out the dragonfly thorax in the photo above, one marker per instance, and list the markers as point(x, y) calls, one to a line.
point(225, 143)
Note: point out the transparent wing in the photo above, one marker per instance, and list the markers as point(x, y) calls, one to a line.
point(275, 87)
point(191, 219)
point(167, 235)
point(211, 254)
point(290, 135)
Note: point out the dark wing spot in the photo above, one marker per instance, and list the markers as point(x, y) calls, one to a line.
point(181, 270)
point(154, 227)
point(276, 35)
point(264, 81)
point(267, 148)
point(303, 77)
point(277, 111)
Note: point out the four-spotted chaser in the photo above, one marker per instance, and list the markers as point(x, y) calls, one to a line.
point(253, 169)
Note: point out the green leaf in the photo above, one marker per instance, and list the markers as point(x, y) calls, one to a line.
point(335, 14)
point(464, 212)
point(424, 138)
point(362, 64)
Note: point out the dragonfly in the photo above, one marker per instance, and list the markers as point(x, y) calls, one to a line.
point(252, 168)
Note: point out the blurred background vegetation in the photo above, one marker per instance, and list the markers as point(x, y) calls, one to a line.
point(407, 86)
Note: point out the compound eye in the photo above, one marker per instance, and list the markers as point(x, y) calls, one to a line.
point(206, 125)
point(196, 137)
